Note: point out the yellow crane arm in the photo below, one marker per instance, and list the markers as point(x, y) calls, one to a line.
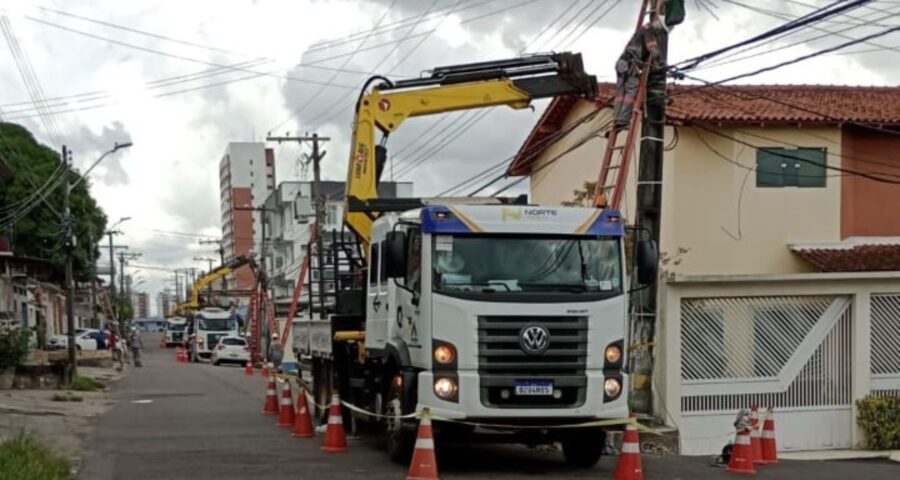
point(216, 274)
point(514, 83)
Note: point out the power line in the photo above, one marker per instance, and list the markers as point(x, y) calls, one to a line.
point(474, 118)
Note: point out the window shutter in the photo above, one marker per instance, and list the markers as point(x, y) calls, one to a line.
point(812, 167)
point(769, 170)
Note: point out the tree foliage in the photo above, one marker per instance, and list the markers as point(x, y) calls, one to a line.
point(38, 234)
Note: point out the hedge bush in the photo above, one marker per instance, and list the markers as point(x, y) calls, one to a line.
point(879, 417)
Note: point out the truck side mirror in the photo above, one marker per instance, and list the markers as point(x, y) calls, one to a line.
point(647, 262)
point(394, 254)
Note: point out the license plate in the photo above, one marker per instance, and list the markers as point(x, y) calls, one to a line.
point(232, 355)
point(534, 388)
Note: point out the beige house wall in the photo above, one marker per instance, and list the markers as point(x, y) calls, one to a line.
point(714, 220)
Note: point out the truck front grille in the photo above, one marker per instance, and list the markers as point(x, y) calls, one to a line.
point(502, 362)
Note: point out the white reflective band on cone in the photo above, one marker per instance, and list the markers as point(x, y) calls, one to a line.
point(285, 401)
point(335, 420)
point(742, 440)
point(754, 432)
point(270, 392)
point(425, 444)
point(768, 434)
point(631, 448)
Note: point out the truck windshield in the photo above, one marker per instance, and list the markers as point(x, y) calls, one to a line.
point(215, 324)
point(176, 327)
point(501, 264)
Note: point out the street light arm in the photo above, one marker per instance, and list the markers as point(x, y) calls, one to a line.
point(97, 162)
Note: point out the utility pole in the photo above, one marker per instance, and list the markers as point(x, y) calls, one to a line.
point(649, 205)
point(95, 323)
point(319, 199)
point(209, 271)
point(221, 250)
point(69, 245)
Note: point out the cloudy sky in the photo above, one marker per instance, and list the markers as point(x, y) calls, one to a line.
point(181, 79)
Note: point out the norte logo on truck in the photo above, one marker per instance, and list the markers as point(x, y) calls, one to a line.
point(534, 214)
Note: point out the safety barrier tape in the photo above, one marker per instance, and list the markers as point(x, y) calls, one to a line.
point(422, 414)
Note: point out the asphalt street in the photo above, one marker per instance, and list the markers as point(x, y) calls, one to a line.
point(197, 421)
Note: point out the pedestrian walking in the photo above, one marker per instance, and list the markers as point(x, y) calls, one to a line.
point(136, 344)
point(115, 346)
point(276, 353)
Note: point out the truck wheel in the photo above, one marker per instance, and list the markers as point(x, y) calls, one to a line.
point(399, 441)
point(583, 449)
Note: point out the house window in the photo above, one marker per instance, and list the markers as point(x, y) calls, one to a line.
point(786, 167)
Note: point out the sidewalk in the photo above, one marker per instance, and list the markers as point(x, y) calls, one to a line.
point(64, 426)
point(818, 455)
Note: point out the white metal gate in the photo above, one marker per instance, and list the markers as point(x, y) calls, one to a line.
point(789, 352)
point(885, 356)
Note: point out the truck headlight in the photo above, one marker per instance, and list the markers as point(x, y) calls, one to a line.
point(200, 341)
point(446, 388)
point(613, 354)
point(444, 354)
point(612, 387)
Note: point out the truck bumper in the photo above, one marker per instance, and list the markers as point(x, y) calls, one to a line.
point(470, 405)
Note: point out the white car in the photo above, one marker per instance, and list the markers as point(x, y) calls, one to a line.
point(85, 339)
point(230, 349)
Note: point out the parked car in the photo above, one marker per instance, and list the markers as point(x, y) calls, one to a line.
point(85, 339)
point(230, 349)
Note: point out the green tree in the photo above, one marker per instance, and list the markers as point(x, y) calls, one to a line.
point(38, 234)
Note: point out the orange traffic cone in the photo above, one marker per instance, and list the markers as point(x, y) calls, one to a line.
point(755, 445)
point(629, 466)
point(265, 369)
point(769, 448)
point(335, 438)
point(286, 413)
point(741, 460)
point(179, 354)
point(302, 421)
point(248, 369)
point(271, 406)
point(424, 464)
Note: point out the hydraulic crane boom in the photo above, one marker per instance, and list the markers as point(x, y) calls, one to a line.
point(216, 274)
point(514, 82)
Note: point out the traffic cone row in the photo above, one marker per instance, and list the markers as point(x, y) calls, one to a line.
point(181, 355)
point(264, 372)
point(271, 405)
point(752, 447)
point(248, 368)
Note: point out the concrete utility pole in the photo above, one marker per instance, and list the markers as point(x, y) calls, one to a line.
point(208, 287)
point(69, 245)
point(649, 207)
point(319, 198)
point(95, 323)
point(221, 251)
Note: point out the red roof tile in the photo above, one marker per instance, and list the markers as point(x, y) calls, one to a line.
point(859, 258)
point(770, 104)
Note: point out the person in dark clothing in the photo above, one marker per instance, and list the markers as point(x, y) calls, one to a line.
point(645, 47)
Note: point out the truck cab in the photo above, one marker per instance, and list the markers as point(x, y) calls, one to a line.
point(174, 333)
point(507, 316)
point(205, 328)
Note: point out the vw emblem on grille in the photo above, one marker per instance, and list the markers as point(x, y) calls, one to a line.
point(534, 339)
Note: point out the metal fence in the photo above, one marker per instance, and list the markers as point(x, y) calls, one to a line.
point(780, 351)
point(885, 356)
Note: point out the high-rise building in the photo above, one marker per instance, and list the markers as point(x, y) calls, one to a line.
point(141, 303)
point(165, 304)
point(289, 219)
point(246, 178)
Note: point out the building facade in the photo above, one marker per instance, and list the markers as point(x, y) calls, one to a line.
point(141, 303)
point(780, 263)
point(246, 178)
point(165, 304)
point(290, 215)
